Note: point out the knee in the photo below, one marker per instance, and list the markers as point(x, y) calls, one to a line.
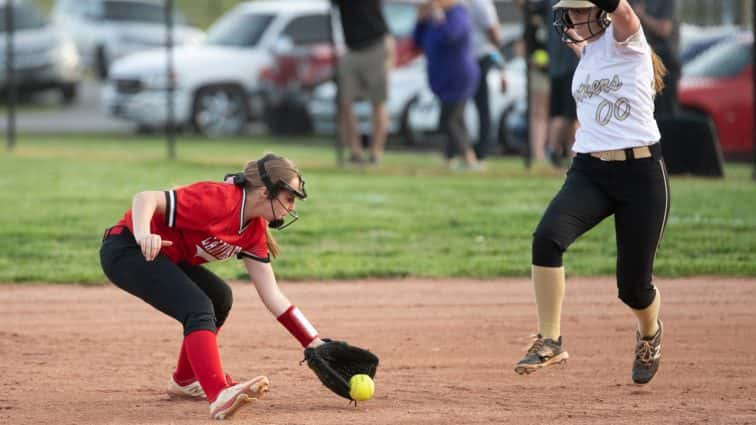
point(201, 317)
point(546, 252)
point(637, 297)
point(223, 307)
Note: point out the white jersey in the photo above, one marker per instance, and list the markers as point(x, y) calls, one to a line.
point(613, 87)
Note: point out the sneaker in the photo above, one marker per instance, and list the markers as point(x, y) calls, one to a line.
point(647, 356)
point(232, 398)
point(191, 390)
point(543, 352)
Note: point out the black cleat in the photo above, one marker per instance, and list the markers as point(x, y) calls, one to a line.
point(542, 353)
point(647, 356)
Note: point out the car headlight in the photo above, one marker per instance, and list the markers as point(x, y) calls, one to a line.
point(67, 53)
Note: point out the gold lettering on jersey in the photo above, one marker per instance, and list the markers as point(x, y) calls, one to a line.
point(588, 89)
point(214, 249)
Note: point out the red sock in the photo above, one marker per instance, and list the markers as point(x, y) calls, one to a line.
point(184, 375)
point(202, 351)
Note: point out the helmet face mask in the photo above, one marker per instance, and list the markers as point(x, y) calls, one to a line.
point(563, 23)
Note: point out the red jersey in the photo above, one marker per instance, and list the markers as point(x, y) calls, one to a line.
point(205, 222)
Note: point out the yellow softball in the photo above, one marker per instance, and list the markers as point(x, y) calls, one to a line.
point(361, 387)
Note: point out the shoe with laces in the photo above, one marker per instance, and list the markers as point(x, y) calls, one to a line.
point(232, 398)
point(191, 390)
point(542, 353)
point(647, 356)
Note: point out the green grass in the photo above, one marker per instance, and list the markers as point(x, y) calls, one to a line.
point(411, 217)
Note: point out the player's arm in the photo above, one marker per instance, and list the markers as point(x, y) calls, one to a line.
point(624, 19)
point(143, 207)
point(262, 276)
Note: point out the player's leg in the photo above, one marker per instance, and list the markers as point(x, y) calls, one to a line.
point(184, 383)
point(215, 288)
point(580, 204)
point(168, 289)
point(640, 220)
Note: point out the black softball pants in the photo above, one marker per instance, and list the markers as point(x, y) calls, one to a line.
point(636, 192)
point(193, 295)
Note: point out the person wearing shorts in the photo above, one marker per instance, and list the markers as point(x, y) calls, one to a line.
point(363, 74)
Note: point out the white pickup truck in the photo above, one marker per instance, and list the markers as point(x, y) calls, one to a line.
point(216, 82)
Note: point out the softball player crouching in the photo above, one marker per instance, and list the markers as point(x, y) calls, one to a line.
point(156, 250)
point(618, 170)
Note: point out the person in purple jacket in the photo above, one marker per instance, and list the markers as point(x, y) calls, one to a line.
point(443, 33)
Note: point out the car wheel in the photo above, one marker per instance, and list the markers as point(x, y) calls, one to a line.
point(220, 111)
point(409, 136)
point(69, 92)
point(101, 63)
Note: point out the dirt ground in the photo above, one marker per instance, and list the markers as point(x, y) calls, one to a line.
point(95, 355)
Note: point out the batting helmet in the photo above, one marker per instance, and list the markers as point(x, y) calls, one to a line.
point(563, 22)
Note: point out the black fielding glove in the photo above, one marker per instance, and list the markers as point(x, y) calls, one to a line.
point(606, 5)
point(335, 362)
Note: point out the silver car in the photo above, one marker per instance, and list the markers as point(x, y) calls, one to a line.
point(43, 57)
point(105, 30)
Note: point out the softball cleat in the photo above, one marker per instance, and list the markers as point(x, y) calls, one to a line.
point(542, 353)
point(232, 398)
point(647, 356)
point(192, 390)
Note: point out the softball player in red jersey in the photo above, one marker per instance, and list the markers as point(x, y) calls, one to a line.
point(617, 170)
point(155, 253)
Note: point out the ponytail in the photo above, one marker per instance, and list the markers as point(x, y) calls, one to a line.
point(660, 71)
point(272, 244)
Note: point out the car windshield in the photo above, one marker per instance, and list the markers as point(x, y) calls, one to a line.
point(725, 60)
point(239, 29)
point(137, 12)
point(25, 16)
point(401, 18)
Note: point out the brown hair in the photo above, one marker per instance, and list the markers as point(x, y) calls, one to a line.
point(278, 169)
point(660, 71)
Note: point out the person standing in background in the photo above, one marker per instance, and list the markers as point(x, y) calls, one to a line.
point(662, 30)
point(562, 113)
point(486, 39)
point(535, 36)
point(363, 73)
point(443, 33)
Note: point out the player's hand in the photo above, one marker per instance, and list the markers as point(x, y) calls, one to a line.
point(151, 245)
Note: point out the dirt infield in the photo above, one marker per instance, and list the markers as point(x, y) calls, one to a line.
point(95, 355)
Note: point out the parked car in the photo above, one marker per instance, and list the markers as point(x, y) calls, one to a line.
point(217, 81)
point(44, 58)
point(695, 40)
point(297, 68)
point(719, 85)
point(105, 30)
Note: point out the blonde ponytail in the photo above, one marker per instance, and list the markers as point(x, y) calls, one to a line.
point(660, 71)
